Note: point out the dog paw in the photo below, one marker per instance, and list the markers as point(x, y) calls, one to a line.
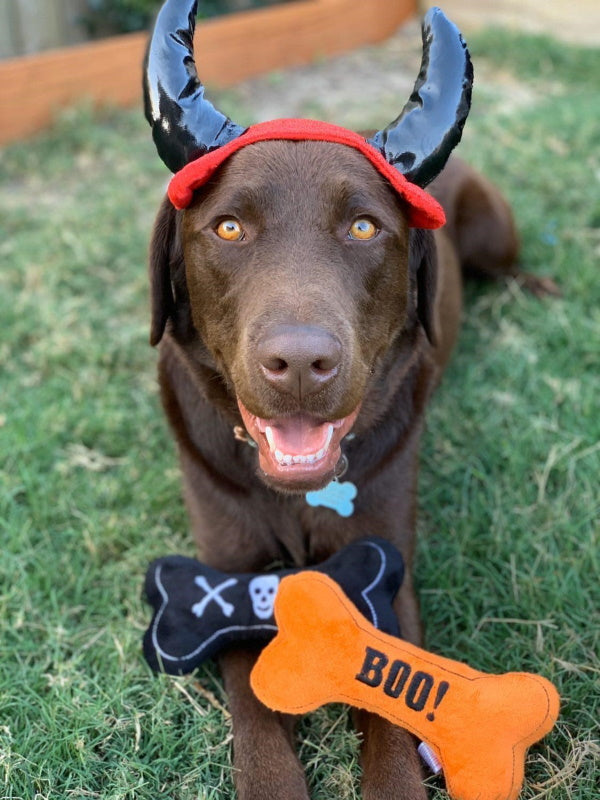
point(539, 285)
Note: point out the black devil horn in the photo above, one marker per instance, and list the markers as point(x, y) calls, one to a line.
point(185, 125)
point(419, 142)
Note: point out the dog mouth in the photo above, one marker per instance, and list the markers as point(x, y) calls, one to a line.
point(298, 452)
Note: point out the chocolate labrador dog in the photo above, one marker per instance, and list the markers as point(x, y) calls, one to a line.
point(305, 310)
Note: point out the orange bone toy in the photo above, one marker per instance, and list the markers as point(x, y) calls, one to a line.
point(479, 726)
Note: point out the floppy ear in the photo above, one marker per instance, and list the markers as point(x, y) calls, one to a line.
point(422, 261)
point(165, 254)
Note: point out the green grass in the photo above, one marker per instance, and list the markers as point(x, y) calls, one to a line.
point(507, 567)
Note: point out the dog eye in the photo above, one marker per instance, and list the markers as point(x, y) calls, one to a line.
point(362, 229)
point(230, 230)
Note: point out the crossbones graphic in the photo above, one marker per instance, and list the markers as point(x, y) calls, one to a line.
point(213, 594)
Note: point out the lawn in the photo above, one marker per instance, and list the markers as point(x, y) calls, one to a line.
point(508, 562)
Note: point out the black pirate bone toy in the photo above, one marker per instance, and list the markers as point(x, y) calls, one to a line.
point(199, 610)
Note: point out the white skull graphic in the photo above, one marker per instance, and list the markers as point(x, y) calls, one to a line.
point(262, 593)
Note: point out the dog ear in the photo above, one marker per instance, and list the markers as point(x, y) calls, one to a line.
point(165, 252)
point(423, 265)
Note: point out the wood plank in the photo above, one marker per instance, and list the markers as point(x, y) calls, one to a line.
point(292, 34)
point(228, 49)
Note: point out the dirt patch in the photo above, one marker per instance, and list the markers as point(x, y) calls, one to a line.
point(351, 90)
point(368, 87)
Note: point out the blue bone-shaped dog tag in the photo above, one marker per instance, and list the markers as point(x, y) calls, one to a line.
point(336, 496)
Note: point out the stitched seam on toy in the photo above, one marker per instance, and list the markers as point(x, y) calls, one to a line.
point(167, 656)
point(159, 613)
point(212, 638)
point(537, 728)
point(380, 636)
point(513, 783)
point(374, 583)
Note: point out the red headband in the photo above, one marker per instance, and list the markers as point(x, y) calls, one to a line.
point(423, 210)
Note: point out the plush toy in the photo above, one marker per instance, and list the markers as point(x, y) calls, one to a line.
point(198, 610)
point(479, 726)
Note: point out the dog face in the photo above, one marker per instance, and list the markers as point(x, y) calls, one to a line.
point(292, 262)
point(297, 269)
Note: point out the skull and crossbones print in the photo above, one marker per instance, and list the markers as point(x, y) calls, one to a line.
point(262, 590)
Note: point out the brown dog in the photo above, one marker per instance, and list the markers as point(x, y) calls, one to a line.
point(294, 304)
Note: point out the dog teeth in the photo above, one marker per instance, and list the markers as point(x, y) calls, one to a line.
point(286, 460)
point(270, 437)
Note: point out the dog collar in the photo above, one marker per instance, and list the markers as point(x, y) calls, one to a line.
point(422, 210)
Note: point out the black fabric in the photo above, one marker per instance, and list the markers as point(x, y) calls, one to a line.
point(198, 610)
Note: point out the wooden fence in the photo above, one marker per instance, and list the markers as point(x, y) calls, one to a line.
point(230, 48)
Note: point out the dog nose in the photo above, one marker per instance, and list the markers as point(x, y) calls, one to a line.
point(299, 359)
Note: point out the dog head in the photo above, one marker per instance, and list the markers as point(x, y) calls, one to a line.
point(293, 266)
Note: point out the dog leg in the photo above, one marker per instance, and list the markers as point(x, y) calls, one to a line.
point(482, 227)
point(390, 763)
point(265, 764)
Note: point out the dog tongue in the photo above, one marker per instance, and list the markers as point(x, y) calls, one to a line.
point(298, 435)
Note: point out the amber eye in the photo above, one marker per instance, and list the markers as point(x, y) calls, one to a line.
point(230, 230)
point(362, 229)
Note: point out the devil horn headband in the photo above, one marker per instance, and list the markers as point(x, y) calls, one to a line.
point(186, 126)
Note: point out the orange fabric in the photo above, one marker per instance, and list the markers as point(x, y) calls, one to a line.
point(422, 209)
point(478, 725)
